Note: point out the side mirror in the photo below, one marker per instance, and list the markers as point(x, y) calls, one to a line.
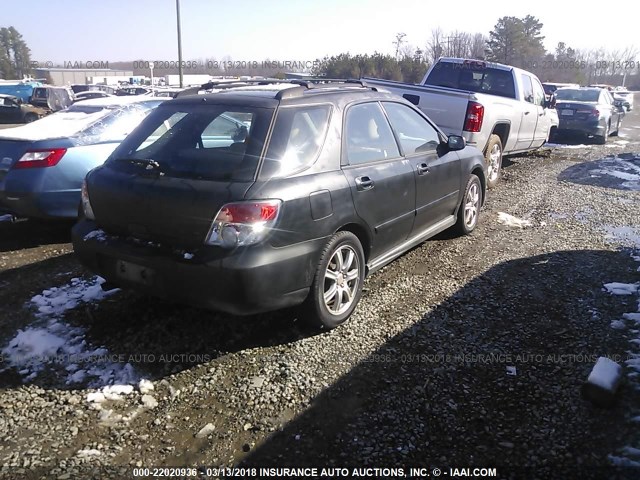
point(456, 142)
point(550, 102)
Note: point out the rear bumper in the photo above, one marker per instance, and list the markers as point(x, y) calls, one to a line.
point(52, 205)
point(241, 282)
point(588, 127)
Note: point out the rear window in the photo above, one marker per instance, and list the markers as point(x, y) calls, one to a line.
point(577, 95)
point(208, 142)
point(474, 77)
point(40, 93)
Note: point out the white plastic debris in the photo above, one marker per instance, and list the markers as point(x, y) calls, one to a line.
point(205, 431)
point(511, 221)
point(603, 382)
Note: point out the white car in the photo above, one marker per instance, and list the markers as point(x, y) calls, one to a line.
point(624, 95)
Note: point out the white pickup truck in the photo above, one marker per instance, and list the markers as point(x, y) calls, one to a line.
point(497, 108)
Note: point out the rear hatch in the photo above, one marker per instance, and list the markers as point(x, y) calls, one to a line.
point(168, 179)
point(177, 212)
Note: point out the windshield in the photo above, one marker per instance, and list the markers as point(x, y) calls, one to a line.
point(209, 142)
point(577, 95)
point(474, 77)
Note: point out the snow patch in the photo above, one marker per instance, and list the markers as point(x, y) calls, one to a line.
point(51, 343)
point(616, 288)
point(563, 145)
point(511, 221)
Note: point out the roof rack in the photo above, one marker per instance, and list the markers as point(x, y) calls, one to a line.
point(302, 85)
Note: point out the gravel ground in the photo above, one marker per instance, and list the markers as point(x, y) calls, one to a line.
point(464, 352)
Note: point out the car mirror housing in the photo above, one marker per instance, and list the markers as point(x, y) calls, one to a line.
point(456, 142)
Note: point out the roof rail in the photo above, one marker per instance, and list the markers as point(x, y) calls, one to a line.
point(318, 83)
point(302, 85)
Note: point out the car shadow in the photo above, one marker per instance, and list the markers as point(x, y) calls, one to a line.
point(491, 376)
point(25, 234)
point(620, 171)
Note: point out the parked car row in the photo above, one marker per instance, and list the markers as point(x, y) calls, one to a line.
point(263, 196)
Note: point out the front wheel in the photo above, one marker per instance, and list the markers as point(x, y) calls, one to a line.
point(30, 117)
point(493, 159)
point(469, 209)
point(337, 284)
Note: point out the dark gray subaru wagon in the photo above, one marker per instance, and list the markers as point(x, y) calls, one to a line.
point(263, 197)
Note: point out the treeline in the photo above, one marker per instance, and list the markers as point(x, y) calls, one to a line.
point(15, 56)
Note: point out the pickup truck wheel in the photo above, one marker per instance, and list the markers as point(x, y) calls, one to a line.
point(493, 158)
point(337, 284)
point(469, 210)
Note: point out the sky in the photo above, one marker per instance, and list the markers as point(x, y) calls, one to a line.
point(300, 30)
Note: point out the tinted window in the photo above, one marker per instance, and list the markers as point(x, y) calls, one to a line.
point(182, 140)
point(578, 95)
point(538, 92)
point(472, 76)
point(368, 137)
point(298, 136)
point(527, 88)
point(414, 132)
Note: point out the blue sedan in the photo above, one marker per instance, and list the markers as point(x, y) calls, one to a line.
point(43, 164)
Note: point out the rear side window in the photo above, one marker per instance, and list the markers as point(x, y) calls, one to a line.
point(368, 136)
point(474, 77)
point(297, 138)
point(208, 142)
point(527, 88)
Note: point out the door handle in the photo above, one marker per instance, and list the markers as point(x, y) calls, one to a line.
point(423, 169)
point(364, 183)
point(527, 113)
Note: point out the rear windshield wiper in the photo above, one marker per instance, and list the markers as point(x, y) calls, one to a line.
point(147, 163)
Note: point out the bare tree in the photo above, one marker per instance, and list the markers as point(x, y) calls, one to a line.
point(398, 42)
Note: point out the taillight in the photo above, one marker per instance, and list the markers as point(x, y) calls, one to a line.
point(40, 158)
point(243, 223)
point(473, 118)
point(86, 204)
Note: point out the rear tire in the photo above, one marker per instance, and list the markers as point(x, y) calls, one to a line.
point(602, 139)
point(493, 159)
point(337, 284)
point(30, 117)
point(615, 134)
point(469, 210)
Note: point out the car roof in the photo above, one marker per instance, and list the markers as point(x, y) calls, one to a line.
point(4, 95)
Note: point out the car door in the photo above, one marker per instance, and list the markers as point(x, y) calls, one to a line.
point(381, 181)
point(543, 124)
point(437, 172)
point(529, 119)
point(9, 111)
